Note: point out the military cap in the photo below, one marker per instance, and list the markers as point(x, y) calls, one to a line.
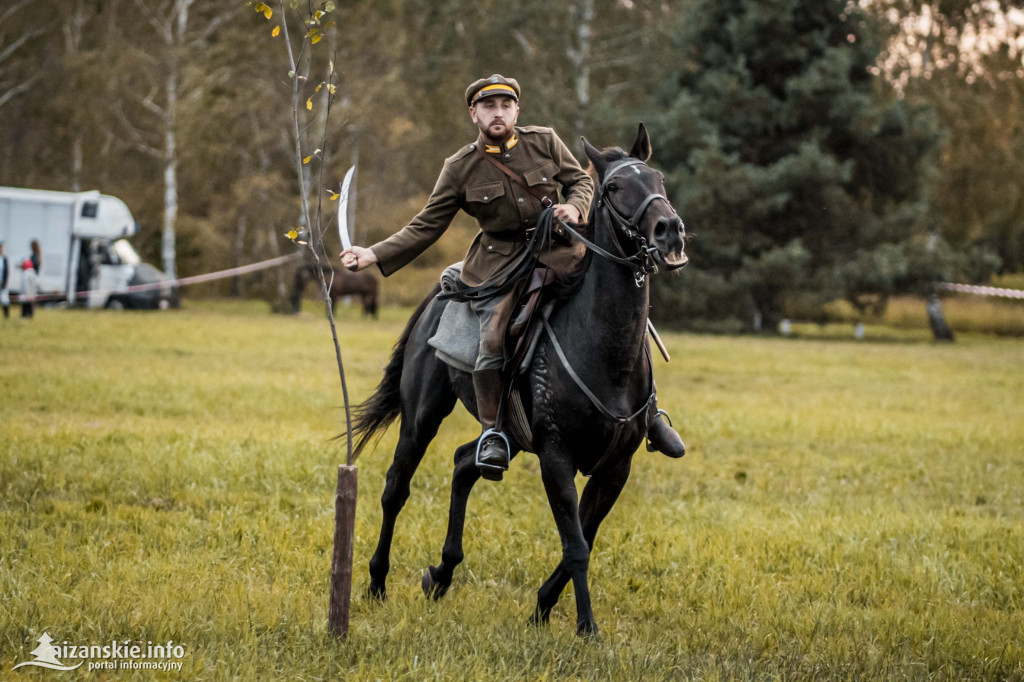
point(489, 87)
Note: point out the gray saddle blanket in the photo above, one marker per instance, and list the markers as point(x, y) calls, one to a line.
point(458, 333)
point(457, 339)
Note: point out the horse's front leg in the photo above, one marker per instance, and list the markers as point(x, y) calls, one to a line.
point(438, 579)
point(558, 474)
point(599, 496)
point(422, 414)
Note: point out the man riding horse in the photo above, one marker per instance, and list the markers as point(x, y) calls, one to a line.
point(504, 180)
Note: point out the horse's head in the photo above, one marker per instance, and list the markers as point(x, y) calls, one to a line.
point(633, 194)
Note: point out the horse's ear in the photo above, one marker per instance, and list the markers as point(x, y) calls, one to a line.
point(595, 156)
point(641, 148)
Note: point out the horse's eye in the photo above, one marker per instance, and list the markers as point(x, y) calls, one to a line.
point(613, 187)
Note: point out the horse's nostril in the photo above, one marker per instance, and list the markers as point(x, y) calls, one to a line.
point(659, 229)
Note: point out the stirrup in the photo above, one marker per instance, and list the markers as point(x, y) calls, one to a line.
point(659, 413)
point(492, 471)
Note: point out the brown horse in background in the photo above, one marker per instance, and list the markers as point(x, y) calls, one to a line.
point(344, 283)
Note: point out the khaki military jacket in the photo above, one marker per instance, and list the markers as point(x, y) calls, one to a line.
point(503, 209)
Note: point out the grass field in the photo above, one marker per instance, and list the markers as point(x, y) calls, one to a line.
point(847, 511)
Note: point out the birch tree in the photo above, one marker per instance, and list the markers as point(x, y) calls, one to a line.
point(18, 27)
point(179, 33)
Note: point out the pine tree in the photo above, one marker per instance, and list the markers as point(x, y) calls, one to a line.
point(788, 164)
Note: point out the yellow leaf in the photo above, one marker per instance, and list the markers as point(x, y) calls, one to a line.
point(259, 7)
point(307, 159)
point(317, 38)
point(276, 32)
point(334, 195)
point(309, 104)
point(312, 32)
point(319, 86)
point(317, 15)
point(267, 12)
point(291, 234)
point(332, 88)
point(330, 23)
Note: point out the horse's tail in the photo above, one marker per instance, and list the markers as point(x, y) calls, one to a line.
point(377, 412)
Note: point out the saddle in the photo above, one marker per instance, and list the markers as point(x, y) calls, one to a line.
point(457, 339)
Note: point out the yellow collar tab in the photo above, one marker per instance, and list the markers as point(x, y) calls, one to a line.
point(504, 147)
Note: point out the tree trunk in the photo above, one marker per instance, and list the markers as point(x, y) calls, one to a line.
point(937, 320)
point(581, 64)
point(170, 176)
point(76, 162)
point(73, 26)
point(241, 228)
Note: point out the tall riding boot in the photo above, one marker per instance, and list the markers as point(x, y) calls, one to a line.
point(492, 453)
point(661, 437)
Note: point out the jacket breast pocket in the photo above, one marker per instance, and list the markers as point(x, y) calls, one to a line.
point(487, 204)
point(543, 178)
point(486, 193)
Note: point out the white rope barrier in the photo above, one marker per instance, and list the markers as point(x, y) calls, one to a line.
point(981, 291)
point(183, 281)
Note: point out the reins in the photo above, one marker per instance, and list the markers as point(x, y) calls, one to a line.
point(642, 262)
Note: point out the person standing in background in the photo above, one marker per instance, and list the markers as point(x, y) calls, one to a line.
point(5, 295)
point(29, 288)
point(37, 255)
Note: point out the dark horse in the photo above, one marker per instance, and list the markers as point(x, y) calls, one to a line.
point(602, 331)
point(344, 283)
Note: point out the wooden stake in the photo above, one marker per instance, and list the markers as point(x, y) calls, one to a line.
point(341, 562)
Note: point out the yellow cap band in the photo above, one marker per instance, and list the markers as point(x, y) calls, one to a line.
point(494, 89)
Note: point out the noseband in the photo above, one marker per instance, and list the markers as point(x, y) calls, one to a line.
point(643, 262)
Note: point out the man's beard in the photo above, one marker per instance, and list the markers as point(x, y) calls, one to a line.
point(497, 138)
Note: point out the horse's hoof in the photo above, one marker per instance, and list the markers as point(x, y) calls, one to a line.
point(540, 617)
point(588, 629)
point(377, 592)
point(431, 588)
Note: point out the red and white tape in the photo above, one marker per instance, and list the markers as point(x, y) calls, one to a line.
point(982, 291)
point(195, 279)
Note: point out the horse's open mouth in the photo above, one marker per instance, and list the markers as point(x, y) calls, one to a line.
point(676, 260)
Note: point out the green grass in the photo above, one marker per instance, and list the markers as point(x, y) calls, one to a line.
point(846, 511)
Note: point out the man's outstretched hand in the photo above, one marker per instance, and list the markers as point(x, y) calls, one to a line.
point(355, 258)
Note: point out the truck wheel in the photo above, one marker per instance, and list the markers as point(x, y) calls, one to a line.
point(114, 304)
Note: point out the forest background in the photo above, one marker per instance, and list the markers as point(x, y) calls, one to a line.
point(818, 150)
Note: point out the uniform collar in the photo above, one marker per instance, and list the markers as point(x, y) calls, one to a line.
point(512, 141)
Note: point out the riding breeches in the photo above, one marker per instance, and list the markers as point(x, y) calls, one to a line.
point(494, 314)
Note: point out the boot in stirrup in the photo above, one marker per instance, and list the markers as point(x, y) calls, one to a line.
point(661, 437)
point(492, 450)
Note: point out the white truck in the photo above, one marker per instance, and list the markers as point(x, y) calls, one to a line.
point(85, 256)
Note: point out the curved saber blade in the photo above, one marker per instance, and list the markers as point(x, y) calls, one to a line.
point(343, 229)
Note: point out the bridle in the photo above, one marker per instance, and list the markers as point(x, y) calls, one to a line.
point(645, 260)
